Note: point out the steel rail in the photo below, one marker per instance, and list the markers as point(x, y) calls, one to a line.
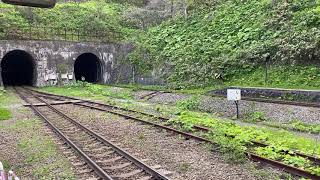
point(200, 128)
point(273, 101)
point(154, 173)
point(97, 169)
point(149, 94)
point(254, 157)
point(287, 168)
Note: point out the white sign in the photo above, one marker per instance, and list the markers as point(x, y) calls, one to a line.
point(234, 94)
point(70, 76)
point(64, 76)
point(52, 77)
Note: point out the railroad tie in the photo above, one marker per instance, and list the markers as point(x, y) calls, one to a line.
point(110, 160)
point(156, 166)
point(78, 163)
point(104, 154)
point(85, 171)
point(121, 166)
point(129, 174)
point(145, 178)
point(165, 172)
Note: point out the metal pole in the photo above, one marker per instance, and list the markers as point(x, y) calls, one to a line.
point(44, 31)
point(30, 32)
point(266, 70)
point(78, 34)
point(237, 106)
point(65, 33)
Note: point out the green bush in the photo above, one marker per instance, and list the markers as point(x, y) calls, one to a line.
point(256, 116)
point(191, 103)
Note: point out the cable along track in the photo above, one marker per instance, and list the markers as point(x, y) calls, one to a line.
point(106, 160)
point(131, 114)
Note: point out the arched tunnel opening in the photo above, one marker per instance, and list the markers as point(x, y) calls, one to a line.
point(17, 69)
point(87, 66)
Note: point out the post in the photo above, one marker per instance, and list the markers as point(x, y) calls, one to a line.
point(30, 32)
point(65, 34)
point(237, 106)
point(266, 69)
point(44, 32)
point(38, 34)
point(78, 34)
point(71, 35)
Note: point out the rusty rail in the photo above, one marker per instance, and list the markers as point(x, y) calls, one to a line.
point(102, 174)
point(252, 156)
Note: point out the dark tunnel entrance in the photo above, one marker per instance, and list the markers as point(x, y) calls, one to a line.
point(88, 66)
point(17, 68)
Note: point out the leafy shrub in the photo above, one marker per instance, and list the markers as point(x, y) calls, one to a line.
point(256, 116)
point(191, 103)
point(234, 139)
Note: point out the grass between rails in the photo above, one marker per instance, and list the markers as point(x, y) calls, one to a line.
point(88, 90)
point(235, 139)
point(42, 160)
point(136, 87)
point(279, 140)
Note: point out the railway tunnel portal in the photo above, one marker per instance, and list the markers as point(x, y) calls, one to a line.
point(17, 68)
point(43, 63)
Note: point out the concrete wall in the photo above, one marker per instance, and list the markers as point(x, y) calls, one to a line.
point(48, 54)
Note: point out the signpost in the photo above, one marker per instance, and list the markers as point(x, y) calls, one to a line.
point(234, 95)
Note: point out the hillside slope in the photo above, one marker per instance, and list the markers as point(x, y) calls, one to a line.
point(234, 38)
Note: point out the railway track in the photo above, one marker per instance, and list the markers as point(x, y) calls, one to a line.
point(152, 95)
point(274, 101)
point(141, 117)
point(94, 156)
point(264, 100)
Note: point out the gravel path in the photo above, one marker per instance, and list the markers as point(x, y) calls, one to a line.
point(275, 112)
point(185, 159)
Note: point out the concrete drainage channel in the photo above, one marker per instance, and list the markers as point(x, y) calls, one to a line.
point(100, 158)
point(136, 116)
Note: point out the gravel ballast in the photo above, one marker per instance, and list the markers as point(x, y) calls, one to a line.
point(186, 159)
point(274, 112)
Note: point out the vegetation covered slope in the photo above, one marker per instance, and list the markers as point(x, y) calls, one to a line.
point(88, 16)
point(236, 37)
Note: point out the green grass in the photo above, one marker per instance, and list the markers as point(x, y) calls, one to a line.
point(42, 158)
point(279, 140)
point(7, 97)
point(5, 114)
point(93, 91)
point(193, 90)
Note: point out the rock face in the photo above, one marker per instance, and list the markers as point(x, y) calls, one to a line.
point(48, 56)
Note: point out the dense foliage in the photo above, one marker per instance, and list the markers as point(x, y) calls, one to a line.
point(235, 37)
point(85, 17)
point(304, 77)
